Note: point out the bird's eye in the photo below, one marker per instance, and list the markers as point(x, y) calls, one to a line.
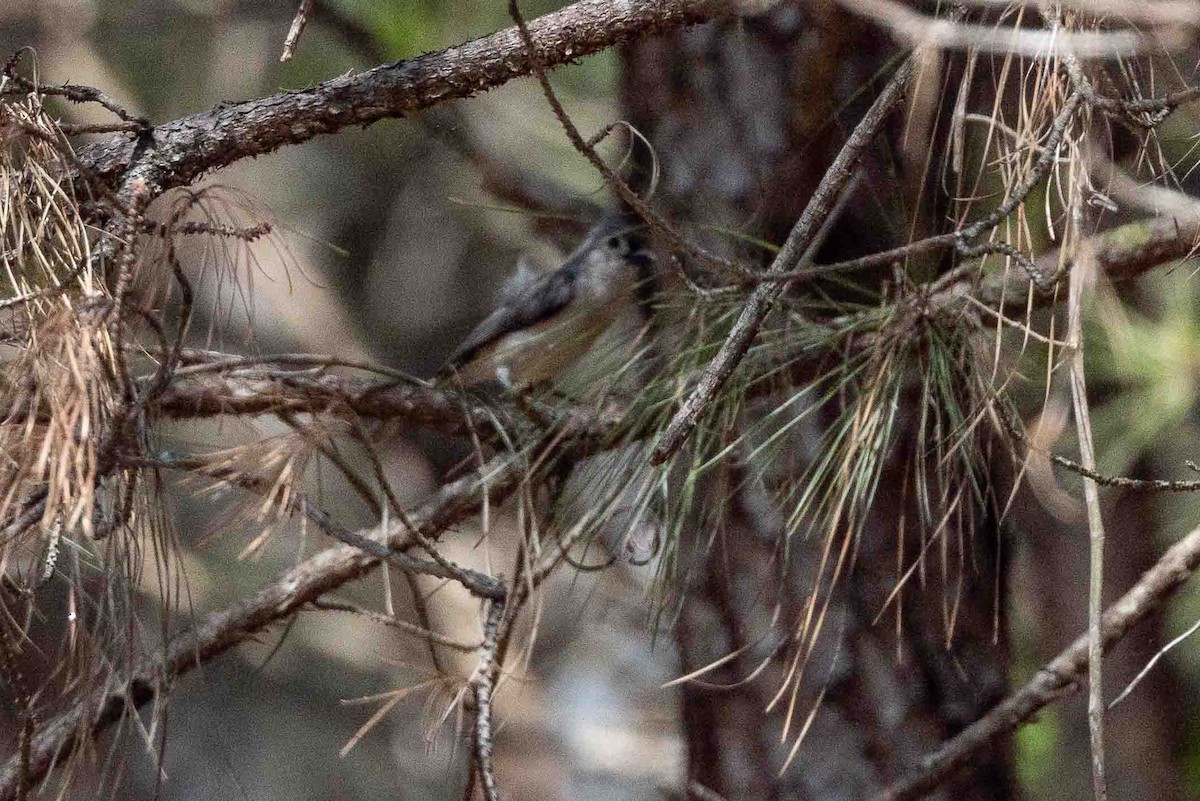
point(614, 243)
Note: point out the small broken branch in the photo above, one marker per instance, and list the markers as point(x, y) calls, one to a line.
point(298, 24)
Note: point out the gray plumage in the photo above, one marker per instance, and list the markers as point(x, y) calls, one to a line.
point(540, 300)
point(544, 323)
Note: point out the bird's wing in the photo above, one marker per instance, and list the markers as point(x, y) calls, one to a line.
point(540, 301)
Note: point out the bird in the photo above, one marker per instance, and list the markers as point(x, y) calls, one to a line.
point(544, 323)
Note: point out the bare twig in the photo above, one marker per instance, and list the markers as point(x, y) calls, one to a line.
point(1136, 680)
point(1123, 482)
point(166, 370)
point(1131, 250)
point(272, 391)
point(1149, 111)
point(74, 93)
point(1082, 276)
point(484, 685)
point(197, 227)
point(1087, 453)
point(396, 623)
point(1121, 254)
point(293, 35)
point(205, 361)
point(1011, 424)
point(1058, 677)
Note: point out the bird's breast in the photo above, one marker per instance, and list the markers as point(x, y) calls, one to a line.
point(543, 351)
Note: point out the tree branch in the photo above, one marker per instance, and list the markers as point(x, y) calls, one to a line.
point(177, 153)
point(762, 299)
point(1121, 254)
point(220, 631)
point(268, 393)
point(1059, 676)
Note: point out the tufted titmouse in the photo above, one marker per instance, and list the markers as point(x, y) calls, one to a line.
point(545, 323)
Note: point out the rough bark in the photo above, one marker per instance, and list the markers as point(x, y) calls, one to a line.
point(178, 152)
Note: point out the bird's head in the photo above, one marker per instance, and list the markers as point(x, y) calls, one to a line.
point(612, 257)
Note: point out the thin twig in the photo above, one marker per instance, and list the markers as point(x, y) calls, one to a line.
point(248, 233)
point(1091, 496)
point(1153, 661)
point(293, 35)
point(1146, 112)
point(1083, 273)
point(484, 685)
point(74, 93)
point(166, 370)
point(397, 623)
point(215, 362)
point(1007, 249)
point(1123, 482)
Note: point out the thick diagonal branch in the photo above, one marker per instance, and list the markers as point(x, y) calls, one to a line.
point(176, 153)
point(803, 233)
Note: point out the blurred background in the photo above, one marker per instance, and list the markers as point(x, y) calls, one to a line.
point(391, 243)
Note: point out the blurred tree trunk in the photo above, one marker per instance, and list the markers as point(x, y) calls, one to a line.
point(745, 118)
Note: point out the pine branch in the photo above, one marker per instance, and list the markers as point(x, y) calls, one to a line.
point(176, 153)
point(221, 631)
point(763, 298)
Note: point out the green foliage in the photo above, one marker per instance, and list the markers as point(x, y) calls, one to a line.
point(404, 27)
point(138, 52)
point(1147, 369)
point(1037, 751)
